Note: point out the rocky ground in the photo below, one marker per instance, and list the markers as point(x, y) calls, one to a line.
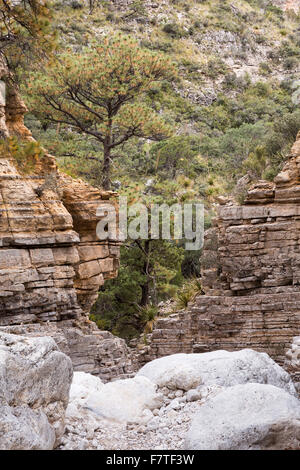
point(219, 400)
point(163, 429)
point(182, 401)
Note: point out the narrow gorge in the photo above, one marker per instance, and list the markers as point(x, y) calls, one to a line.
point(52, 266)
point(148, 342)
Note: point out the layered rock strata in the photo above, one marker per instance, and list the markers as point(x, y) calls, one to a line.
point(251, 277)
point(52, 263)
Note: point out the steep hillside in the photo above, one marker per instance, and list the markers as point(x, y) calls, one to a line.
point(233, 107)
point(237, 65)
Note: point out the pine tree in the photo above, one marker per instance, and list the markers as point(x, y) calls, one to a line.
point(99, 92)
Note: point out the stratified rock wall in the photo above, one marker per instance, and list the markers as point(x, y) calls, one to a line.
point(251, 277)
point(51, 261)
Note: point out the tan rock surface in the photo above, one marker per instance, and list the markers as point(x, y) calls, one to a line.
point(251, 277)
point(288, 5)
point(51, 261)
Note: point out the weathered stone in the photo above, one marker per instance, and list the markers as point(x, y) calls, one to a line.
point(247, 417)
point(124, 400)
point(250, 275)
point(90, 349)
point(35, 379)
point(223, 368)
point(292, 362)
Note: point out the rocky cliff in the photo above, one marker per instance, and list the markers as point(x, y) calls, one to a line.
point(251, 277)
point(51, 261)
point(52, 264)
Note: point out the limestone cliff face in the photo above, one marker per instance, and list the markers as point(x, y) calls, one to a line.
point(51, 261)
point(251, 277)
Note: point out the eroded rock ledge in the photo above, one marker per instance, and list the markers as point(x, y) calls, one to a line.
point(51, 261)
point(251, 277)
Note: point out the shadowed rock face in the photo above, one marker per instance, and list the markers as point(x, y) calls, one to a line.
point(251, 277)
point(51, 261)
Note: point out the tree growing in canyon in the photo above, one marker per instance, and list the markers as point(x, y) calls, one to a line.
point(99, 92)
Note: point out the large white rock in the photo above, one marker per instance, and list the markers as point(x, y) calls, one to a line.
point(249, 416)
point(83, 385)
point(35, 379)
point(125, 400)
point(293, 354)
point(187, 371)
point(122, 400)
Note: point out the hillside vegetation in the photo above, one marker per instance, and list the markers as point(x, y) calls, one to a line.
point(233, 109)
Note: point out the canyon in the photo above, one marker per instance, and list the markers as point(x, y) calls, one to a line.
point(52, 266)
point(222, 373)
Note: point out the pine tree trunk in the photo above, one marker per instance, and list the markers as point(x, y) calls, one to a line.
point(106, 169)
point(145, 300)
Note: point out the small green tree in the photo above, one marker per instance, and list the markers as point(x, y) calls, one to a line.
point(99, 92)
point(149, 269)
point(174, 155)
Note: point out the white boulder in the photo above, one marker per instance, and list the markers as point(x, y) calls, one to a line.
point(174, 372)
point(223, 368)
point(35, 379)
point(83, 385)
point(122, 400)
point(193, 395)
point(248, 416)
point(293, 354)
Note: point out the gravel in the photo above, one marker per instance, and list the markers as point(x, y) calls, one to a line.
point(162, 429)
